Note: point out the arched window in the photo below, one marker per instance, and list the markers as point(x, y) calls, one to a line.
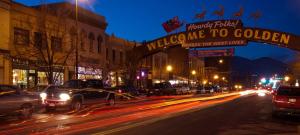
point(100, 40)
point(91, 40)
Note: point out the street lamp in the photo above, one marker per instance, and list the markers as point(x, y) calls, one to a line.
point(204, 82)
point(76, 46)
point(287, 78)
point(216, 77)
point(194, 72)
point(221, 61)
point(169, 68)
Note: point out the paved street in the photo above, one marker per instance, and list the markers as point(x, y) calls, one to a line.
point(102, 118)
point(247, 115)
point(222, 114)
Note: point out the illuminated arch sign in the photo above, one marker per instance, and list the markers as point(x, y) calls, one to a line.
point(223, 33)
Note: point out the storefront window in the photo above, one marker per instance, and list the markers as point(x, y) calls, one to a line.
point(43, 80)
point(59, 79)
point(20, 77)
point(89, 73)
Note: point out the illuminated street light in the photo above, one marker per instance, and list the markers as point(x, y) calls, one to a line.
point(223, 78)
point(194, 72)
point(204, 82)
point(287, 78)
point(216, 77)
point(221, 61)
point(169, 68)
point(263, 80)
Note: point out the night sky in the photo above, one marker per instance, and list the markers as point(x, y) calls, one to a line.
point(142, 19)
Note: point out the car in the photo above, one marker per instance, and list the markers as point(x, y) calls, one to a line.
point(182, 89)
point(163, 88)
point(131, 90)
point(14, 101)
point(76, 93)
point(205, 89)
point(286, 100)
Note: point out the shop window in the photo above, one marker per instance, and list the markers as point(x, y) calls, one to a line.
point(21, 36)
point(114, 56)
point(100, 40)
point(56, 43)
point(91, 40)
point(20, 77)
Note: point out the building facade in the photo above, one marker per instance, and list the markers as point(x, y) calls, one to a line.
point(183, 68)
point(43, 38)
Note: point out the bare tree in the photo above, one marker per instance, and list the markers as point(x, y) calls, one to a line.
point(51, 45)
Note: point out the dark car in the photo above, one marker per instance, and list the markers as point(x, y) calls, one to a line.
point(14, 101)
point(75, 93)
point(205, 89)
point(128, 90)
point(164, 88)
point(286, 100)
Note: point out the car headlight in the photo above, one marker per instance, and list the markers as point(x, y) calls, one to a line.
point(64, 97)
point(43, 95)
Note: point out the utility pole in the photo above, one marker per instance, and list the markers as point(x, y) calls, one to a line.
point(76, 46)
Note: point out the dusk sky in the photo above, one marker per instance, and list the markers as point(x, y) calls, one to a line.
point(142, 19)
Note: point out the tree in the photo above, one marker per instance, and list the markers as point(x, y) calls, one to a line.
point(51, 45)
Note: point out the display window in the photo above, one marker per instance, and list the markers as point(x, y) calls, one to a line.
point(20, 77)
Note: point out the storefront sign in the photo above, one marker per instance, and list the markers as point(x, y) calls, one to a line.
point(212, 53)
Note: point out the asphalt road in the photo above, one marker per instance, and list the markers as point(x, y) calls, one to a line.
point(246, 115)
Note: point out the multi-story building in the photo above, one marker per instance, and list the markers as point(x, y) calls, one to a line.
point(181, 66)
point(116, 49)
point(43, 38)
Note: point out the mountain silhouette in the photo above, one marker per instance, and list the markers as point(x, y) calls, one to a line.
point(264, 66)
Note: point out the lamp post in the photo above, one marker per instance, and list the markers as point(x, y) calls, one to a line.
point(194, 74)
point(286, 78)
point(221, 61)
point(169, 69)
point(76, 46)
point(216, 78)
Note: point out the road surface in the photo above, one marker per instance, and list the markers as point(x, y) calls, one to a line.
point(250, 115)
point(223, 114)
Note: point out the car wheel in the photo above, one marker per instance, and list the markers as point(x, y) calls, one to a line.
point(26, 112)
point(76, 105)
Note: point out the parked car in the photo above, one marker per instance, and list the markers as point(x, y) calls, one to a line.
point(76, 93)
point(14, 101)
point(205, 89)
point(182, 89)
point(131, 90)
point(286, 100)
point(164, 88)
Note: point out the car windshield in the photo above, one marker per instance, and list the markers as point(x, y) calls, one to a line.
point(287, 91)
